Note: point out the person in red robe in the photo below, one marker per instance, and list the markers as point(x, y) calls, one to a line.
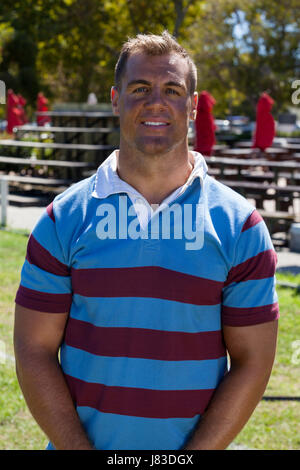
point(204, 125)
point(22, 104)
point(265, 124)
point(42, 106)
point(13, 112)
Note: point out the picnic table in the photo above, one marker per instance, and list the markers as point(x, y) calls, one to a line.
point(271, 153)
point(292, 147)
point(46, 187)
point(81, 118)
point(67, 152)
point(255, 167)
point(219, 148)
point(71, 170)
point(239, 152)
point(283, 195)
point(67, 135)
point(259, 179)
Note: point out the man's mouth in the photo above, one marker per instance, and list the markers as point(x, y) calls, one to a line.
point(155, 123)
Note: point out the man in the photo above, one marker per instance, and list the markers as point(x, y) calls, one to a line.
point(144, 277)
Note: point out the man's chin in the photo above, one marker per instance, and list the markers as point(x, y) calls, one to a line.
point(158, 147)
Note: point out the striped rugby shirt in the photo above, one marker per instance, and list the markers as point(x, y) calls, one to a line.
point(143, 349)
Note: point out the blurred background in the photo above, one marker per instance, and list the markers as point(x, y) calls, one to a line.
point(59, 55)
point(68, 49)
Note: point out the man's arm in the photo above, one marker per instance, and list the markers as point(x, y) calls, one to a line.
point(37, 338)
point(252, 351)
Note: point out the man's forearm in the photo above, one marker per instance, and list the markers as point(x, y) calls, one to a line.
point(50, 402)
point(231, 407)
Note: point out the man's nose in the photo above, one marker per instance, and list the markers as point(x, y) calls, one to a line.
point(156, 98)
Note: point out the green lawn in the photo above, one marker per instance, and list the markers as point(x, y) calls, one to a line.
point(273, 426)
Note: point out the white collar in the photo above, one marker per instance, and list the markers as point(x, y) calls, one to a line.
point(108, 181)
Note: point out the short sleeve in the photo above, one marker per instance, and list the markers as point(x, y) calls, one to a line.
point(45, 277)
point(249, 294)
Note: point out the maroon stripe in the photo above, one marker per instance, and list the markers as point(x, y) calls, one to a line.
point(144, 343)
point(260, 266)
point(233, 316)
point(40, 257)
point(148, 281)
point(140, 402)
point(252, 220)
point(50, 212)
point(43, 302)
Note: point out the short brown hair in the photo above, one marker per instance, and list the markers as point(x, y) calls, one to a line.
point(155, 45)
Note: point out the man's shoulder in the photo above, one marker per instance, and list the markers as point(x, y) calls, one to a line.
point(227, 205)
point(76, 196)
point(219, 192)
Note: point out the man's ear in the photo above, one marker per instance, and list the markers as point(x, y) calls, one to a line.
point(114, 96)
point(194, 100)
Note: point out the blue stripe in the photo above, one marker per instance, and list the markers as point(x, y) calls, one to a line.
point(145, 312)
point(250, 293)
point(138, 253)
point(37, 279)
point(120, 253)
point(118, 432)
point(142, 373)
point(252, 242)
point(45, 233)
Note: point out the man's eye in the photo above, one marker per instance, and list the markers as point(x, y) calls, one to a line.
point(141, 89)
point(171, 91)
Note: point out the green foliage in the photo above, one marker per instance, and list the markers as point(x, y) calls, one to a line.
point(68, 48)
point(245, 48)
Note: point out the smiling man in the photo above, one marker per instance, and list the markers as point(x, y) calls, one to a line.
point(123, 328)
point(155, 98)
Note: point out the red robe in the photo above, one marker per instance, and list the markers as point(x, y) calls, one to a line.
point(22, 104)
point(265, 124)
point(42, 106)
point(13, 112)
point(204, 125)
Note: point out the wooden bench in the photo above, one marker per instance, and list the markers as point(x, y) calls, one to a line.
point(34, 180)
point(47, 185)
point(278, 222)
point(256, 175)
point(283, 195)
point(286, 169)
point(80, 118)
point(67, 135)
point(292, 147)
point(272, 153)
point(240, 152)
point(70, 170)
point(67, 152)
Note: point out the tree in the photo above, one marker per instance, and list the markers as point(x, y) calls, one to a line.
point(69, 48)
point(244, 48)
point(73, 44)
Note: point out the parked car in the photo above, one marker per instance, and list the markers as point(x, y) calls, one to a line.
point(236, 128)
point(229, 130)
point(222, 125)
point(3, 125)
point(240, 125)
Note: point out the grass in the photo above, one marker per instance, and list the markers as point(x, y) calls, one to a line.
point(18, 430)
point(273, 426)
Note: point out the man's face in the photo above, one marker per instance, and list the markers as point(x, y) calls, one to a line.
point(154, 104)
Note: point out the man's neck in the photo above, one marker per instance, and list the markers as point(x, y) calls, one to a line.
point(155, 177)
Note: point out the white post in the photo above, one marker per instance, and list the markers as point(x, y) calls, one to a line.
point(4, 200)
point(2, 92)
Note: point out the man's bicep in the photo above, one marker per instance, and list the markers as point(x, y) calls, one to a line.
point(252, 344)
point(34, 330)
